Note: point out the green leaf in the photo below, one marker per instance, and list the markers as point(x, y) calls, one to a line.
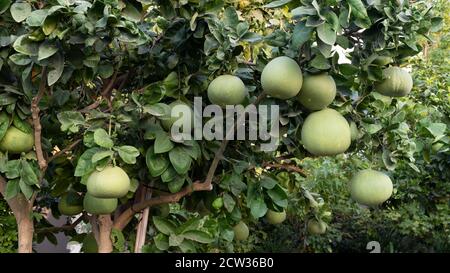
point(102, 139)
point(37, 17)
point(131, 13)
point(4, 124)
point(168, 175)
point(187, 247)
point(358, 9)
point(162, 143)
point(105, 70)
point(176, 184)
point(228, 202)
point(70, 121)
point(128, 153)
point(276, 4)
point(22, 125)
point(25, 46)
point(20, 11)
point(157, 109)
point(46, 49)
point(57, 63)
point(12, 189)
point(50, 24)
point(101, 155)
point(163, 225)
point(27, 190)
point(175, 240)
point(436, 24)
point(85, 164)
point(198, 236)
point(320, 62)
point(13, 169)
point(161, 241)
point(181, 161)
point(257, 207)
point(268, 182)
point(372, 128)
point(28, 175)
point(437, 129)
point(20, 59)
point(231, 18)
point(118, 240)
point(300, 35)
point(191, 224)
point(278, 196)
point(193, 150)
point(302, 11)
point(326, 34)
point(4, 5)
point(156, 163)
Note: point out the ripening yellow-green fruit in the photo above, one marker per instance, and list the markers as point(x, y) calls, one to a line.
point(70, 203)
point(226, 90)
point(111, 182)
point(16, 141)
point(274, 217)
point(316, 227)
point(326, 132)
point(318, 91)
point(94, 205)
point(241, 231)
point(370, 187)
point(397, 82)
point(282, 78)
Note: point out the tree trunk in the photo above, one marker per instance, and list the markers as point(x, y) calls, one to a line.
point(26, 231)
point(104, 239)
point(22, 212)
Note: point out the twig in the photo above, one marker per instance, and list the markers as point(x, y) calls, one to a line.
point(37, 121)
point(65, 150)
point(62, 228)
point(286, 167)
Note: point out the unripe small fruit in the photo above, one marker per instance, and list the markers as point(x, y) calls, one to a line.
point(218, 203)
point(274, 217)
point(370, 187)
point(15, 141)
point(316, 227)
point(71, 203)
point(226, 90)
point(282, 78)
point(241, 231)
point(94, 205)
point(318, 91)
point(111, 182)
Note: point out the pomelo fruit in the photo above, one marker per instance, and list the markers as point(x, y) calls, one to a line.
point(95, 205)
point(316, 227)
point(71, 203)
point(241, 231)
point(226, 90)
point(282, 78)
point(383, 60)
point(317, 92)
point(15, 141)
point(397, 82)
point(370, 187)
point(274, 217)
point(111, 182)
point(326, 132)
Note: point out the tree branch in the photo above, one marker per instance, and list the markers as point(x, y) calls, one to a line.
point(62, 228)
point(37, 121)
point(287, 167)
point(65, 150)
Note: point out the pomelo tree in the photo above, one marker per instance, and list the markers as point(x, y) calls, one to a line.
point(94, 82)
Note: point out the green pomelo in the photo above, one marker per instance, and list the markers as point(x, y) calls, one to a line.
point(370, 188)
point(274, 217)
point(95, 205)
point(397, 82)
point(316, 227)
point(326, 132)
point(383, 60)
point(185, 116)
point(226, 90)
point(241, 231)
point(15, 141)
point(282, 78)
point(89, 244)
point(318, 91)
point(111, 182)
point(71, 203)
